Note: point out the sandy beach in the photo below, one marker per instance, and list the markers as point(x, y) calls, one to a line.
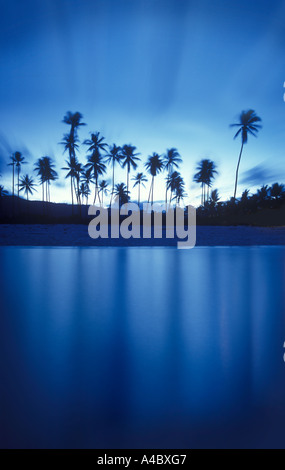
point(77, 235)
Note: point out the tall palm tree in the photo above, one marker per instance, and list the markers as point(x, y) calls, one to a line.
point(172, 160)
point(139, 180)
point(71, 173)
point(27, 185)
point(70, 142)
point(19, 161)
point(122, 193)
point(97, 166)
point(247, 125)
point(103, 189)
point(154, 165)
point(205, 175)
point(129, 159)
point(74, 120)
point(174, 181)
point(177, 186)
point(114, 156)
point(12, 164)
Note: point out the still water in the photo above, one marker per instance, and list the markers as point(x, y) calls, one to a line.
point(142, 347)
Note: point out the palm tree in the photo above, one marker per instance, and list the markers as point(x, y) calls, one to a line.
point(27, 185)
point(96, 142)
point(114, 156)
point(122, 193)
point(277, 191)
point(177, 187)
point(84, 191)
point(70, 143)
point(45, 170)
point(173, 182)
point(103, 189)
point(129, 160)
point(12, 164)
point(247, 125)
point(205, 174)
point(71, 173)
point(19, 161)
point(95, 163)
point(154, 165)
point(3, 191)
point(171, 161)
point(139, 180)
point(86, 178)
point(74, 120)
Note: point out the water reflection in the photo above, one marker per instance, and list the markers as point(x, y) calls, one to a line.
point(142, 347)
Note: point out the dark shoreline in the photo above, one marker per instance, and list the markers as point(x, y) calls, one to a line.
point(77, 235)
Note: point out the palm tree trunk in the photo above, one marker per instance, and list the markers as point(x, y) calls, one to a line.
point(235, 192)
point(13, 179)
point(139, 195)
point(128, 172)
point(152, 190)
point(18, 179)
point(149, 192)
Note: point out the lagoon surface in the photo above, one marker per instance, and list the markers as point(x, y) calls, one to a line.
point(142, 347)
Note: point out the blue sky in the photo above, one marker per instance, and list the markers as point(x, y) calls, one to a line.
point(154, 73)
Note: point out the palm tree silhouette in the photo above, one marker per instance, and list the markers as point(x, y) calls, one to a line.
point(178, 189)
point(45, 170)
point(154, 165)
point(74, 120)
point(84, 191)
point(206, 173)
point(96, 142)
point(27, 185)
point(172, 160)
point(97, 166)
point(19, 161)
point(247, 125)
point(86, 178)
point(129, 160)
point(122, 193)
point(175, 184)
point(103, 189)
point(12, 164)
point(277, 191)
point(70, 142)
point(114, 156)
point(139, 180)
point(3, 191)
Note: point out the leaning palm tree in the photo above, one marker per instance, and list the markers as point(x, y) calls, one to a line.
point(103, 189)
point(129, 159)
point(19, 161)
point(27, 185)
point(114, 156)
point(154, 165)
point(247, 125)
point(139, 180)
point(172, 160)
point(97, 166)
point(121, 193)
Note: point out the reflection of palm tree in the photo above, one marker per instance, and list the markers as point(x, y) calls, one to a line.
point(139, 180)
point(114, 156)
point(154, 165)
point(206, 173)
point(122, 193)
point(95, 163)
point(171, 161)
point(19, 160)
point(103, 189)
point(129, 160)
point(27, 185)
point(247, 125)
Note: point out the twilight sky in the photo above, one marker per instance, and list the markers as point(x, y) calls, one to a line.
point(153, 73)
